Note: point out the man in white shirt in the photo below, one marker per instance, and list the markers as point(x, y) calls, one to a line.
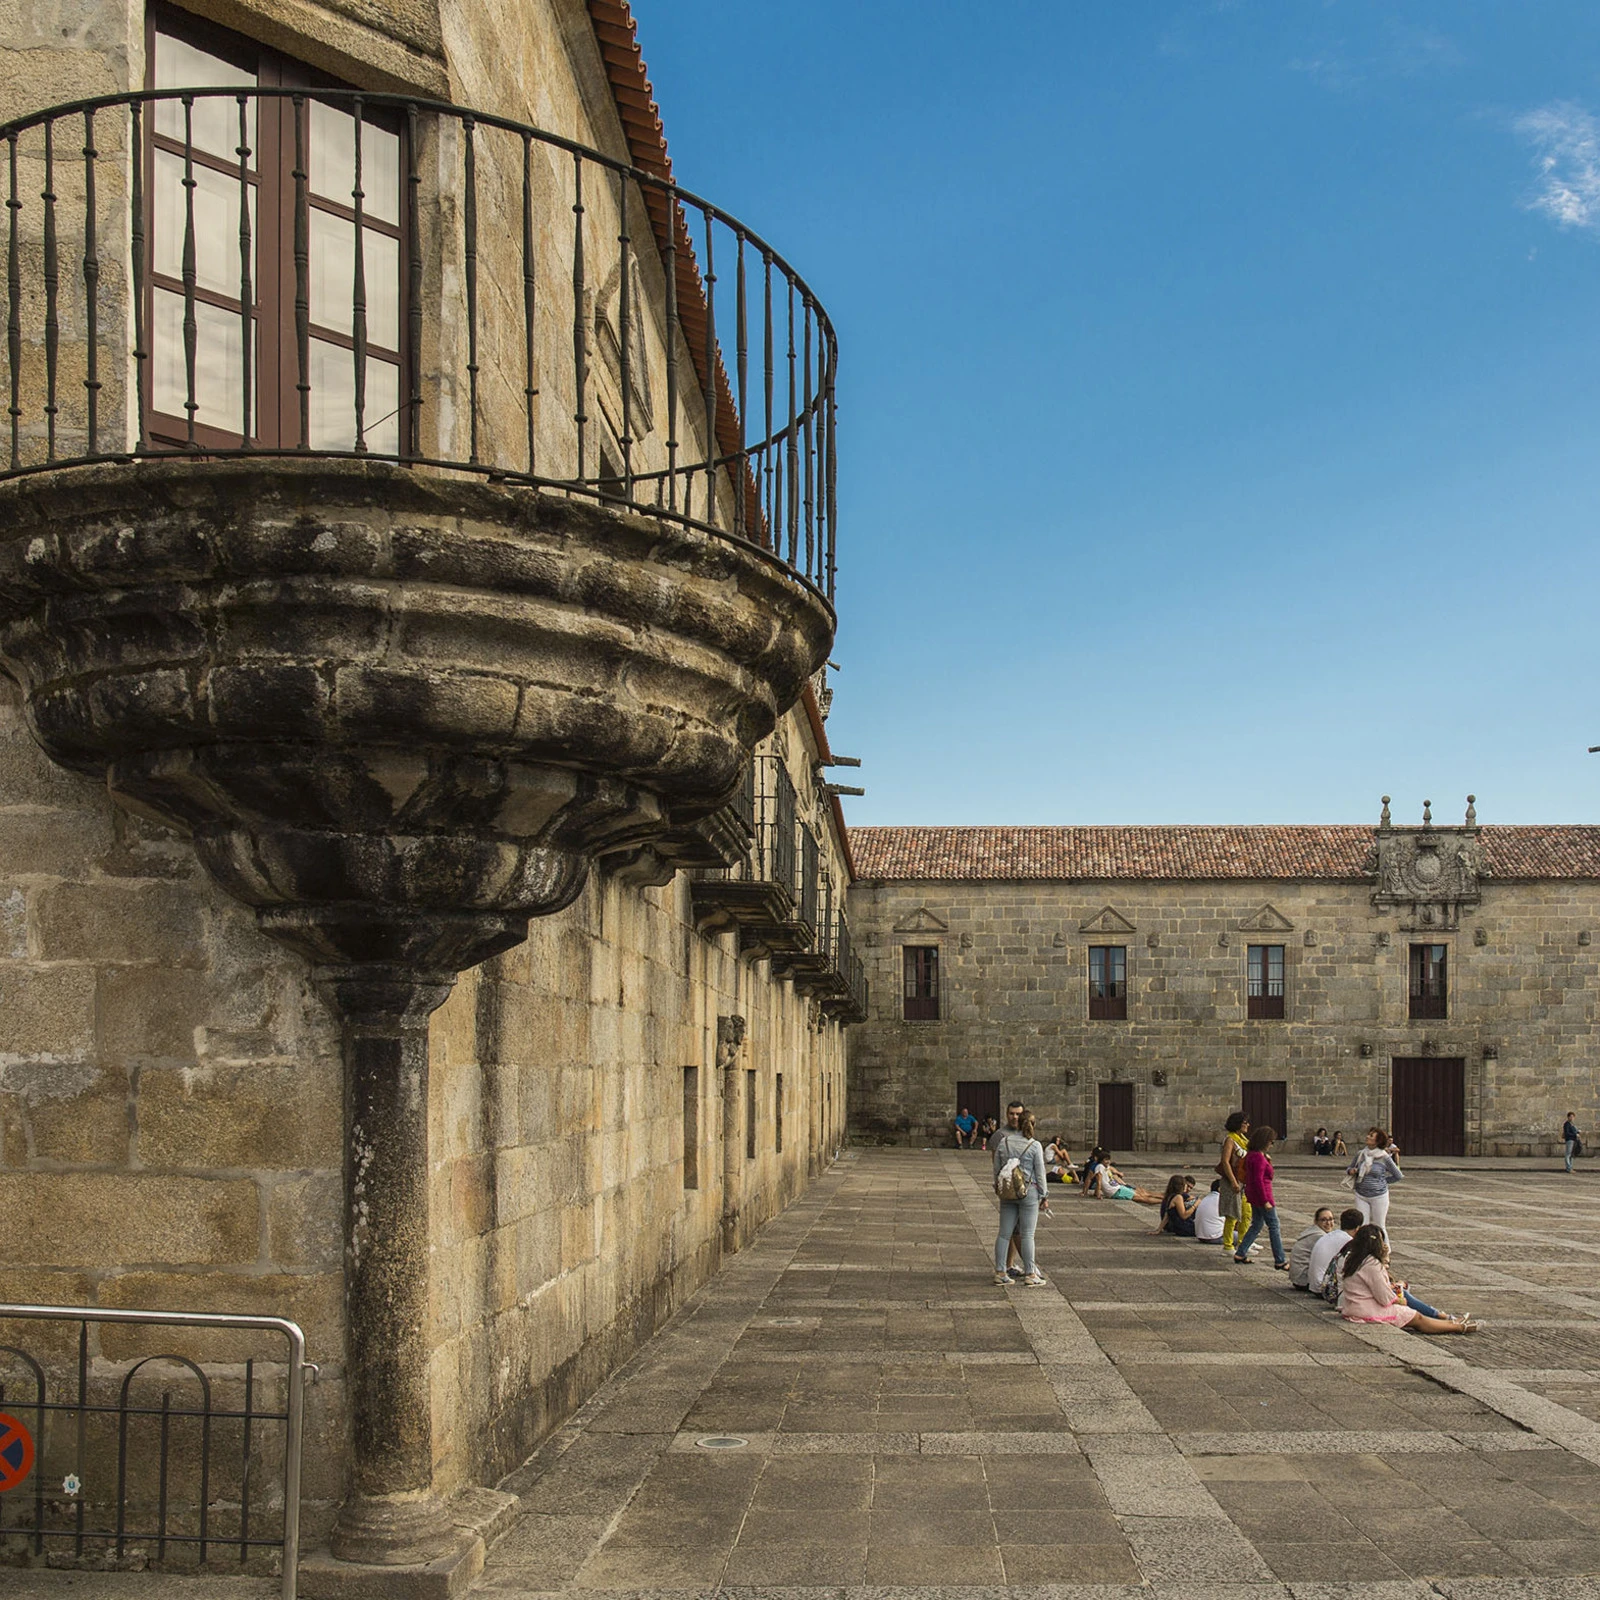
point(1208, 1216)
point(1300, 1251)
point(1330, 1244)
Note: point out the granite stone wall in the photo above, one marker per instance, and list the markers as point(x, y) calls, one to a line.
point(1014, 1006)
point(171, 1120)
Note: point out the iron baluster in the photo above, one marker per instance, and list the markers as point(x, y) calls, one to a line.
point(412, 434)
point(141, 353)
point(83, 1431)
point(810, 451)
point(774, 535)
point(161, 1512)
point(674, 332)
point(91, 285)
point(742, 339)
point(14, 310)
point(52, 291)
point(792, 446)
point(833, 472)
point(625, 331)
point(205, 1463)
point(244, 1471)
point(471, 159)
point(302, 270)
point(711, 375)
point(580, 342)
point(529, 293)
point(246, 287)
point(191, 328)
point(358, 294)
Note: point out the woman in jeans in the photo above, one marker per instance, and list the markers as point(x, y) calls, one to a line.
point(1020, 1216)
point(1374, 1169)
point(1258, 1190)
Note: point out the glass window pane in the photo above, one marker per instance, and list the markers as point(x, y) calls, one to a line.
point(215, 123)
point(333, 162)
point(216, 225)
point(333, 270)
point(218, 364)
point(333, 401)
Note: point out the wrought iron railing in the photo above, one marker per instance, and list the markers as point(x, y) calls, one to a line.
point(775, 857)
point(213, 1473)
point(810, 868)
point(292, 272)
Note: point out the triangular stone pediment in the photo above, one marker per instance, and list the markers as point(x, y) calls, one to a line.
point(922, 920)
point(1106, 920)
point(1269, 919)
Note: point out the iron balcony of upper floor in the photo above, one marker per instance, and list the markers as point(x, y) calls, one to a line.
point(335, 274)
point(773, 888)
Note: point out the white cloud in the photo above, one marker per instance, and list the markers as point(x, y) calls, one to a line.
point(1567, 141)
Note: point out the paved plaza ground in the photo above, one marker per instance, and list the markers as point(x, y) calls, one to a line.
point(1156, 1420)
point(1155, 1424)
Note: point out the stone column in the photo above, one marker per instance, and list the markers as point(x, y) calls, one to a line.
point(730, 1063)
point(391, 1516)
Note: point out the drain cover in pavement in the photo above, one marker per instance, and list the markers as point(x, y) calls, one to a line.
point(721, 1441)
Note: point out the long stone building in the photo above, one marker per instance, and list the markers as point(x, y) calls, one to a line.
point(416, 560)
point(1136, 984)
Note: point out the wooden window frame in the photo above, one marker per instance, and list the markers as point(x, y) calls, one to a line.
point(1260, 1002)
point(919, 982)
point(1428, 982)
point(1108, 992)
point(275, 357)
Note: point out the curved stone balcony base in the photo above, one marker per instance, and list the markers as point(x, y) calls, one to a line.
point(399, 714)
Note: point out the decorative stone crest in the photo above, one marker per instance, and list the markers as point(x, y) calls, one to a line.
point(1107, 920)
point(922, 920)
point(1428, 875)
point(1269, 919)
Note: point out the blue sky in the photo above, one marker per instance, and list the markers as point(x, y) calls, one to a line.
point(1220, 391)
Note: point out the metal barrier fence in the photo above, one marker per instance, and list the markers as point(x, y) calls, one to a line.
point(130, 1459)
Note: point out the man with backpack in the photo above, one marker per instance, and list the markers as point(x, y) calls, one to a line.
point(1571, 1138)
point(1019, 1184)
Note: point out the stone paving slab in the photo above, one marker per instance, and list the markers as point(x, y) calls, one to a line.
point(1155, 1422)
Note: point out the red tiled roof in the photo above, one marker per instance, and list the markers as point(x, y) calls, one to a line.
point(1337, 852)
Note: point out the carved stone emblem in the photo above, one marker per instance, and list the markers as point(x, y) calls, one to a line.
point(1428, 875)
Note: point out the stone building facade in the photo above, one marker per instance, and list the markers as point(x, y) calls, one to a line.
point(1136, 984)
point(421, 904)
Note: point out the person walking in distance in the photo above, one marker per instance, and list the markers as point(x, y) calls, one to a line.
point(1018, 1155)
point(1374, 1169)
point(1230, 1168)
point(1258, 1190)
point(1571, 1138)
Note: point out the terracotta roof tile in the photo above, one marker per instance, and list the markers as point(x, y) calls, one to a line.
point(1336, 852)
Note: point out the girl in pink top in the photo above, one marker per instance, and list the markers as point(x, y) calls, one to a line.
point(1258, 1191)
point(1368, 1293)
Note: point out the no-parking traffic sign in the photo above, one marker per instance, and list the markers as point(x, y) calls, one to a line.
point(16, 1452)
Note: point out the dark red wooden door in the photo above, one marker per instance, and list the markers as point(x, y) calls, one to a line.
point(1116, 1116)
point(982, 1099)
point(1266, 1102)
point(1429, 1105)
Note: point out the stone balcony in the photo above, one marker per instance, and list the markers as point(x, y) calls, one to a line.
point(403, 645)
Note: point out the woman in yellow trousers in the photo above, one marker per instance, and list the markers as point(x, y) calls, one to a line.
point(1230, 1165)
